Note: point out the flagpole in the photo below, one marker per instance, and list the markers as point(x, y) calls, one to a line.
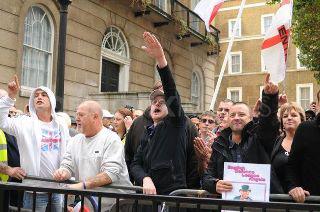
point(284, 83)
point(216, 90)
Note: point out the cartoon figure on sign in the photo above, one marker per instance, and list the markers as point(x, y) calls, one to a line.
point(244, 194)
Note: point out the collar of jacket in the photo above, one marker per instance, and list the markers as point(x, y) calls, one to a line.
point(147, 114)
point(249, 129)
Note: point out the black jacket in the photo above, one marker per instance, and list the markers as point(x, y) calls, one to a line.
point(164, 157)
point(303, 169)
point(134, 136)
point(257, 142)
point(279, 165)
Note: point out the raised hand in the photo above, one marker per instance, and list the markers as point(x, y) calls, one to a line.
point(200, 148)
point(283, 99)
point(154, 49)
point(127, 122)
point(269, 87)
point(13, 87)
point(255, 110)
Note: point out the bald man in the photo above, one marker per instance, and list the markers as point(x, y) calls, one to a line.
point(95, 156)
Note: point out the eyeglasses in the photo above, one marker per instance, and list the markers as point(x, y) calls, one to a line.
point(210, 121)
point(161, 102)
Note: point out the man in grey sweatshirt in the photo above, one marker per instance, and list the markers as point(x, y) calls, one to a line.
point(95, 156)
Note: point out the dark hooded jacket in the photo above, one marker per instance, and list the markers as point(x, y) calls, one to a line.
point(164, 156)
point(134, 136)
point(303, 169)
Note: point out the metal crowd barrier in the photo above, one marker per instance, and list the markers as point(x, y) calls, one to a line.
point(179, 200)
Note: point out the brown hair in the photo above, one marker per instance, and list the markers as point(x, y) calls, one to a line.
point(125, 112)
point(288, 107)
point(207, 113)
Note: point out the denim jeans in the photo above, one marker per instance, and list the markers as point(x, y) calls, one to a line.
point(42, 201)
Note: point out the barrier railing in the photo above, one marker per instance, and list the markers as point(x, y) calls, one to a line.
point(132, 201)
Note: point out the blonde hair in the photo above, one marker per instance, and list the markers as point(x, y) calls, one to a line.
point(288, 107)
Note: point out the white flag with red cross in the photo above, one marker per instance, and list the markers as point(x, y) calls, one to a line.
point(207, 10)
point(275, 45)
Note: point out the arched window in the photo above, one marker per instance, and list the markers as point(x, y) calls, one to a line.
point(37, 48)
point(195, 89)
point(115, 61)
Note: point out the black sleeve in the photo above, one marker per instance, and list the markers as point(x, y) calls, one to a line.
point(129, 148)
point(268, 121)
point(172, 97)
point(210, 176)
point(295, 159)
point(193, 178)
point(137, 170)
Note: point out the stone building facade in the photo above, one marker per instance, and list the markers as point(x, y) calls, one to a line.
point(104, 60)
point(244, 75)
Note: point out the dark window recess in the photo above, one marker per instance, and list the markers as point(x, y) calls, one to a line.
point(109, 76)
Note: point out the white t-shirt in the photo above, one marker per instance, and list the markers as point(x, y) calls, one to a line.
point(50, 149)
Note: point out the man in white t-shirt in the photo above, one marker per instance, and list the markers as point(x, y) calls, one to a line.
point(41, 138)
point(96, 155)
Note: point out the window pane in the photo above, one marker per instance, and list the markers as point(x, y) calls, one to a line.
point(267, 23)
point(233, 23)
point(234, 95)
point(235, 63)
point(161, 4)
point(305, 97)
point(37, 53)
point(195, 89)
point(115, 41)
point(110, 76)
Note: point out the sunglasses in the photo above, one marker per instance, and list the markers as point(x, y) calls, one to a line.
point(210, 121)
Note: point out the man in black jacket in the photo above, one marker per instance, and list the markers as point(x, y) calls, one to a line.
point(245, 141)
point(160, 163)
point(303, 169)
point(136, 132)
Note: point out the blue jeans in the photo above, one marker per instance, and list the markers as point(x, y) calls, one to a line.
point(42, 201)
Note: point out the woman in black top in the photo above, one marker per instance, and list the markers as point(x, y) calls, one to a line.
point(290, 115)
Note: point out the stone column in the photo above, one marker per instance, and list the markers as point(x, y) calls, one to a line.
point(61, 53)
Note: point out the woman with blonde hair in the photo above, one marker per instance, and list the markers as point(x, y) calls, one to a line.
point(290, 115)
point(122, 122)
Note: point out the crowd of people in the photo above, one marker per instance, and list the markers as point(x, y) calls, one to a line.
point(160, 148)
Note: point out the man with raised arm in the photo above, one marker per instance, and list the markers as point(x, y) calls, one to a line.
point(95, 156)
point(41, 138)
point(245, 141)
point(160, 163)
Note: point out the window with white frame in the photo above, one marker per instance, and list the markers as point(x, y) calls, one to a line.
point(263, 66)
point(195, 89)
point(231, 25)
point(304, 94)
point(235, 63)
point(266, 21)
point(235, 94)
point(37, 49)
point(299, 64)
point(115, 61)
